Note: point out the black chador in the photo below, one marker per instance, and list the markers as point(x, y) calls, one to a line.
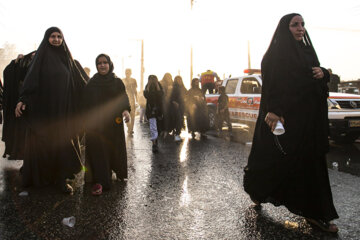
point(13, 134)
point(51, 92)
point(291, 169)
point(105, 100)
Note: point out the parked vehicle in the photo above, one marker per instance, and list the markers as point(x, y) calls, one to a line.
point(244, 101)
point(352, 90)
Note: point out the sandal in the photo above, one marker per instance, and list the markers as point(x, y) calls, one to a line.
point(325, 226)
point(96, 189)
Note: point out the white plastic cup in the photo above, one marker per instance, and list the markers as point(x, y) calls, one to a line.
point(279, 129)
point(69, 221)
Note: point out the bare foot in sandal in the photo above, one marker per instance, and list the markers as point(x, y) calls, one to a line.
point(96, 189)
point(325, 226)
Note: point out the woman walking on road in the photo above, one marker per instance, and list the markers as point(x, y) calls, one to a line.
point(49, 99)
point(167, 85)
point(106, 104)
point(154, 102)
point(177, 107)
point(196, 110)
point(291, 169)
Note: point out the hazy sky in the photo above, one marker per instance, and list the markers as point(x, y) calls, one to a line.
point(219, 32)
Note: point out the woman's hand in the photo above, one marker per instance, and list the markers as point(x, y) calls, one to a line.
point(20, 107)
point(126, 116)
point(271, 119)
point(317, 73)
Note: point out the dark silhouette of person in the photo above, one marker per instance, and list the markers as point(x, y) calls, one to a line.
point(334, 82)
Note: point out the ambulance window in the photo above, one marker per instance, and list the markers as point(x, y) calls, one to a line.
point(231, 86)
point(250, 86)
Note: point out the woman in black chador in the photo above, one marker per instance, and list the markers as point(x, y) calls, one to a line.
point(177, 107)
point(196, 110)
point(49, 98)
point(106, 104)
point(14, 129)
point(291, 169)
point(154, 95)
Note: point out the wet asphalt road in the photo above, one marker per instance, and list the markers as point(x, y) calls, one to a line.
point(189, 190)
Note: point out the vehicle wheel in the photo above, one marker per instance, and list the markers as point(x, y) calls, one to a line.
point(212, 118)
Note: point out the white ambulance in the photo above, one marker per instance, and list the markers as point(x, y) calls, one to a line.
point(244, 101)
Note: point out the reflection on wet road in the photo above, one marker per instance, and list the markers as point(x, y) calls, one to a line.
point(189, 190)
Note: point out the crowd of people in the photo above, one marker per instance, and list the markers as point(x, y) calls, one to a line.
point(59, 108)
point(56, 105)
point(169, 103)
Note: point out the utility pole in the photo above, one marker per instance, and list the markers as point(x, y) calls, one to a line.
point(191, 64)
point(191, 49)
point(249, 60)
point(142, 66)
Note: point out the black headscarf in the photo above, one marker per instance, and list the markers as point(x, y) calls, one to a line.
point(52, 87)
point(195, 84)
point(38, 65)
point(105, 98)
point(290, 90)
point(287, 67)
point(99, 79)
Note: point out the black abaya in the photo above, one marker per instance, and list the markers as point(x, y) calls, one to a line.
point(13, 132)
point(105, 100)
point(196, 111)
point(51, 92)
point(291, 169)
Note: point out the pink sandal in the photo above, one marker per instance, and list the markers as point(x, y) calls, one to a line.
point(96, 189)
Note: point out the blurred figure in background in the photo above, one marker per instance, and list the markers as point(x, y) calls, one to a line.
point(142, 104)
point(177, 108)
point(167, 85)
point(218, 84)
point(334, 82)
point(154, 94)
point(131, 86)
point(222, 111)
point(207, 80)
point(196, 110)
point(87, 70)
